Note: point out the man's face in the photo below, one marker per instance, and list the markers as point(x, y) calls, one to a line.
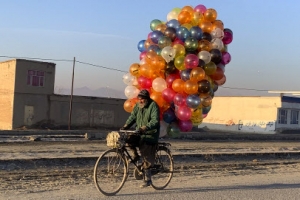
point(142, 102)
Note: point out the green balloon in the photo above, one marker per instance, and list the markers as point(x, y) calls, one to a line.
point(191, 44)
point(173, 132)
point(154, 23)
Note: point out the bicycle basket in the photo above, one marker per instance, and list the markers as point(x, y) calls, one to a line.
point(112, 139)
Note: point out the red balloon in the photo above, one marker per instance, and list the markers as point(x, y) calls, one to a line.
point(144, 82)
point(168, 95)
point(218, 75)
point(171, 78)
point(184, 113)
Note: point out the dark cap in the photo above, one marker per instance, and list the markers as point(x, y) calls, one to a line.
point(144, 94)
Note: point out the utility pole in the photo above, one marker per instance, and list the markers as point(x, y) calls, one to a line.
point(71, 97)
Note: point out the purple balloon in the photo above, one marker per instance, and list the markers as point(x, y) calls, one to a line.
point(226, 58)
point(185, 74)
point(155, 35)
point(185, 125)
point(228, 37)
point(193, 101)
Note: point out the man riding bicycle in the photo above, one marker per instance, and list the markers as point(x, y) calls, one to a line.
point(145, 115)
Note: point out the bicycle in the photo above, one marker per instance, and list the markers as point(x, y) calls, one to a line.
point(112, 167)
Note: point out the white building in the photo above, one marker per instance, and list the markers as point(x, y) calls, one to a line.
point(253, 114)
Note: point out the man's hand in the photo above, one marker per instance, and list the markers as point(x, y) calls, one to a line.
point(143, 129)
point(125, 127)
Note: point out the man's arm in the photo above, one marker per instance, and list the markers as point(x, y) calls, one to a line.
point(132, 118)
point(154, 117)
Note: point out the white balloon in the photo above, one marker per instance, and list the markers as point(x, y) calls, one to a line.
point(131, 92)
point(217, 43)
point(159, 84)
point(168, 53)
point(128, 79)
point(217, 33)
point(172, 15)
point(205, 56)
point(163, 129)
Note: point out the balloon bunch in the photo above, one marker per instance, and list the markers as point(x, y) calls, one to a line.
point(182, 64)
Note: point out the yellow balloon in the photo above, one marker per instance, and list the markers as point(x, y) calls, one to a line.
point(179, 62)
point(210, 68)
point(179, 50)
point(188, 26)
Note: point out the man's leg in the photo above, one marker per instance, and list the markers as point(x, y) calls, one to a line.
point(134, 151)
point(148, 155)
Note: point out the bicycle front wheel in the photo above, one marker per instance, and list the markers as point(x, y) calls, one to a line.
point(110, 172)
point(162, 171)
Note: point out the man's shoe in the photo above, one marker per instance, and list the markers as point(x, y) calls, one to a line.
point(135, 159)
point(146, 184)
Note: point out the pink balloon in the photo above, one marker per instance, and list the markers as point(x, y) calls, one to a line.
point(184, 113)
point(168, 95)
point(143, 54)
point(185, 126)
point(144, 82)
point(191, 61)
point(180, 99)
point(200, 9)
point(226, 58)
point(204, 115)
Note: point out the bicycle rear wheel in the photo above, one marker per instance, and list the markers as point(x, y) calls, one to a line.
point(162, 171)
point(110, 172)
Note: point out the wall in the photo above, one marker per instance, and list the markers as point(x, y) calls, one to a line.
point(38, 104)
point(243, 114)
point(7, 85)
point(21, 77)
point(87, 111)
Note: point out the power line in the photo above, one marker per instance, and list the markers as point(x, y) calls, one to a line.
point(245, 89)
point(109, 68)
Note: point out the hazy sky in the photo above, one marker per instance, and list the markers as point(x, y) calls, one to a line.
point(265, 49)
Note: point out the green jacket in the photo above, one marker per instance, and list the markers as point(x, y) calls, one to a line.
point(149, 117)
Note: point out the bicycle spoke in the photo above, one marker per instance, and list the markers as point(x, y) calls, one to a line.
point(110, 172)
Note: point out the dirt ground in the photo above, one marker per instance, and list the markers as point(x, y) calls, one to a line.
point(36, 167)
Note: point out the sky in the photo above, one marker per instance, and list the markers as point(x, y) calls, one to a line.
point(265, 48)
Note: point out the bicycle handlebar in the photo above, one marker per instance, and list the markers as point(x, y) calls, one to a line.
point(129, 131)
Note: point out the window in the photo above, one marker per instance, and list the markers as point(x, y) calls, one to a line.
point(282, 116)
point(35, 78)
point(294, 116)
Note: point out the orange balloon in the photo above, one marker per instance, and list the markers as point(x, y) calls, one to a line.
point(150, 56)
point(178, 86)
point(210, 15)
point(148, 43)
point(188, 9)
point(157, 97)
point(184, 17)
point(218, 24)
point(158, 63)
point(197, 74)
point(190, 87)
point(143, 70)
point(206, 26)
point(129, 104)
point(204, 95)
point(206, 101)
point(204, 45)
point(161, 27)
point(134, 69)
point(197, 18)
